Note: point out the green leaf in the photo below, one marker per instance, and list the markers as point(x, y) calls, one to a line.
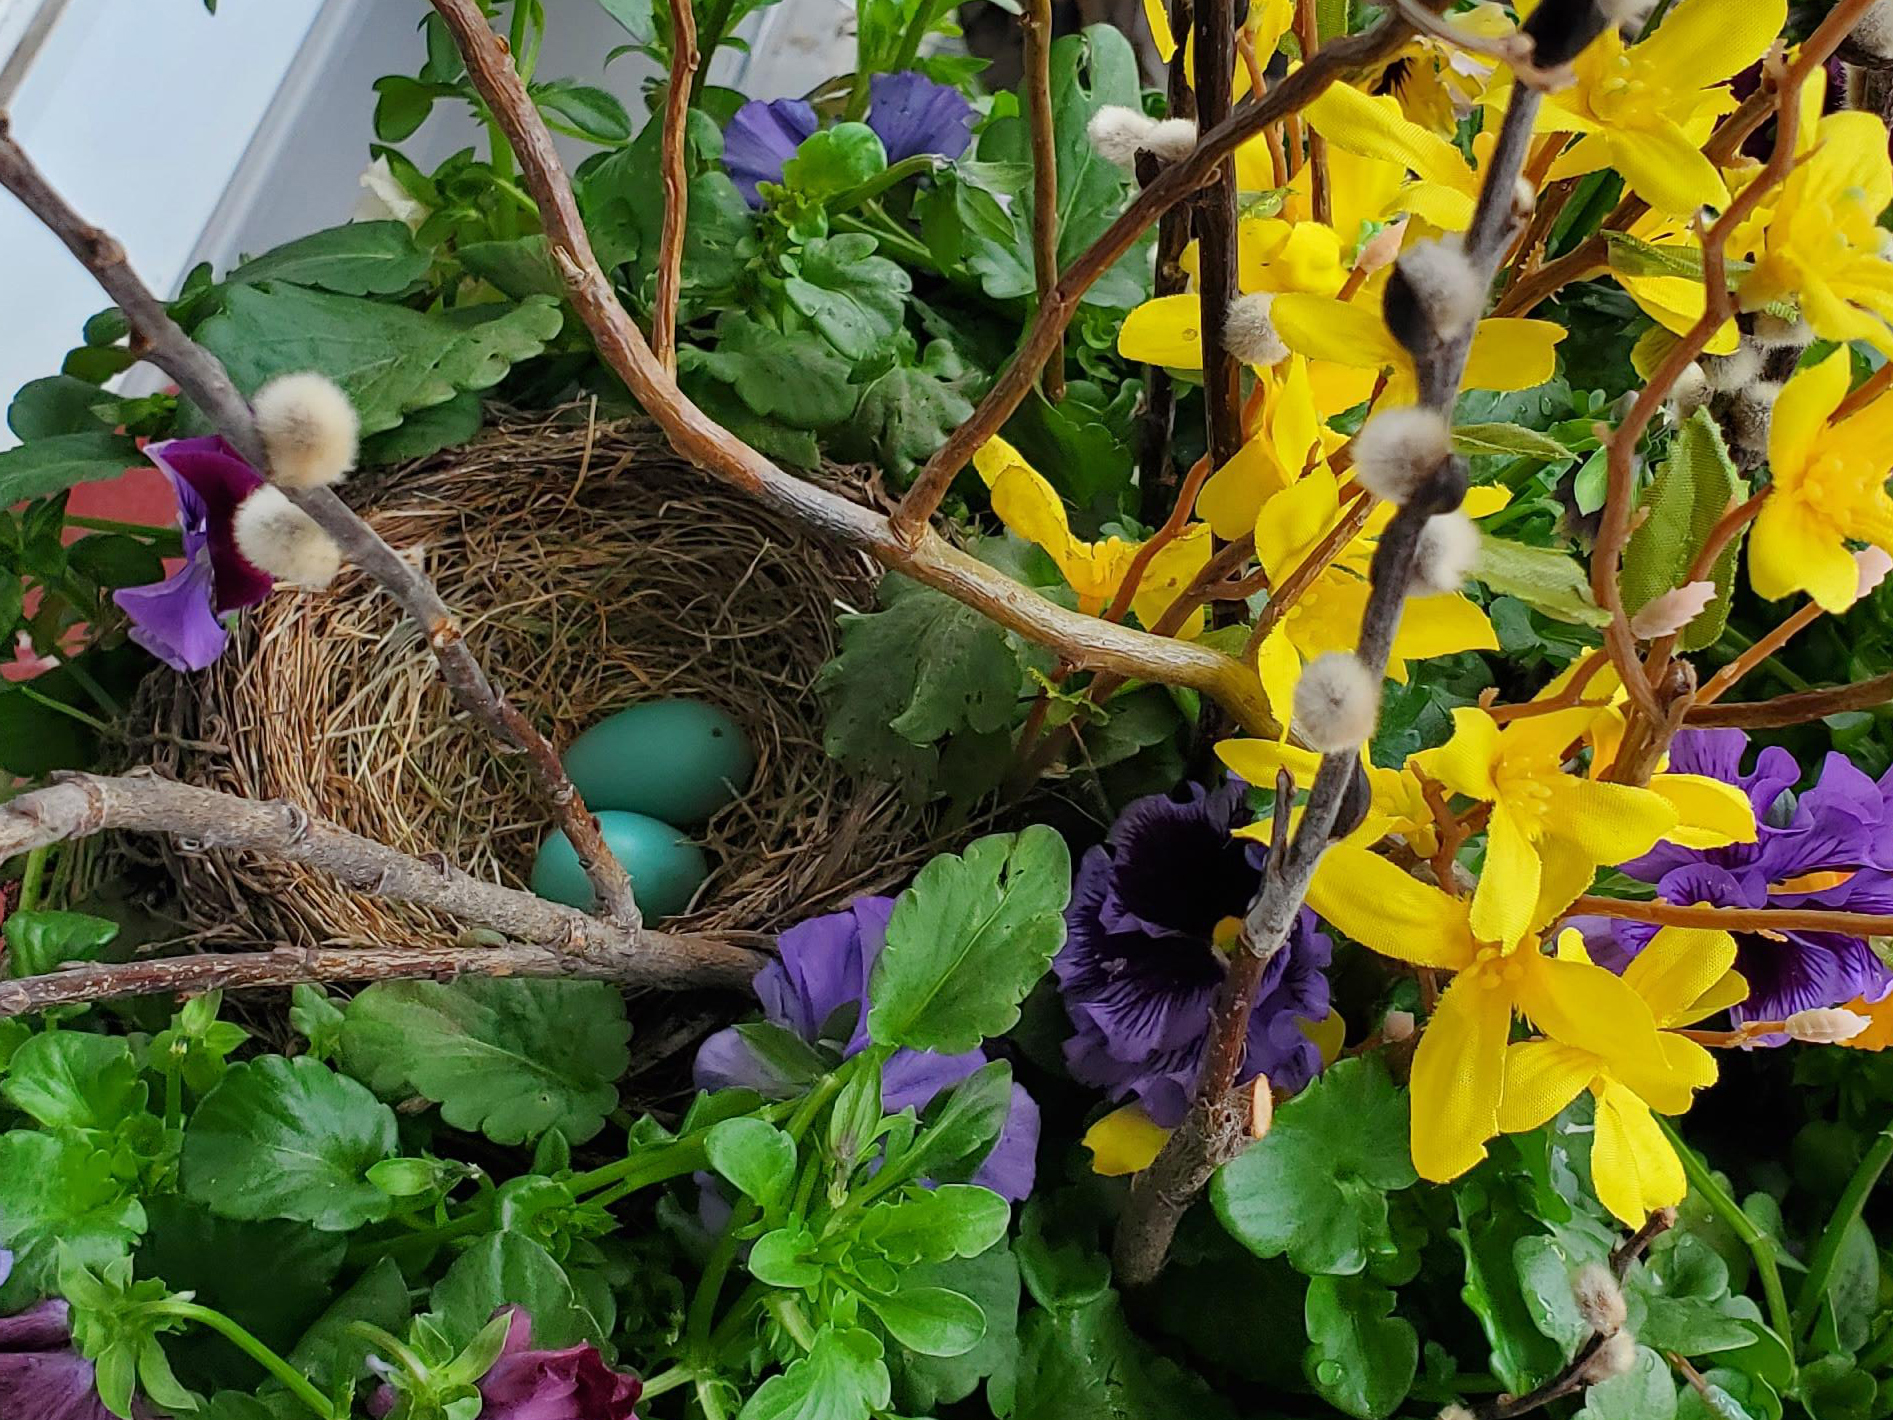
point(1491, 1224)
point(832, 160)
point(1645, 1392)
point(1682, 506)
point(582, 111)
point(1687, 1307)
point(906, 414)
point(754, 1155)
point(1508, 440)
point(795, 378)
point(510, 1269)
point(968, 940)
point(954, 1220)
point(44, 940)
point(403, 104)
point(47, 466)
point(960, 1127)
point(59, 1195)
point(427, 431)
point(634, 15)
point(1361, 1358)
point(935, 1321)
point(854, 298)
point(507, 1057)
point(1545, 1270)
point(317, 1018)
point(390, 360)
point(280, 1138)
point(1315, 1187)
point(1542, 577)
point(331, 1352)
point(843, 1377)
point(67, 1079)
point(355, 259)
point(924, 1383)
point(519, 267)
point(1085, 1363)
point(786, 1257)
point(114, 560)
point(55, 405)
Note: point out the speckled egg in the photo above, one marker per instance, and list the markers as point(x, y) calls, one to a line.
point(676, 760)
point(666, 868)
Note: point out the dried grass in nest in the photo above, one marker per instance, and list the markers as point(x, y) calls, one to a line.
point(591, 569)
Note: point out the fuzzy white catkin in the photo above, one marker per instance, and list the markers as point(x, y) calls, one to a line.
point(276, 536)
point(310, 429)
point(1625, 13)
point(1444, 283)
point(1447, 552)
point(1337, 701)
point(1691, 390)
point(1118, 133)
point(1825, 1027)
point(1600, 1298)
point(1248, 332)
point(1614, 1357)
point(1771, 332)
point(1874, 32)
point(1455, 1411)
point(1173, 140)
point(1398, 449)
point(1728, 373)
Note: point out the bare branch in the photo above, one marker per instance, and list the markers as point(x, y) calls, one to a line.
point(1036, 24)
point(1215, 61)
point(158, 338)
point(1798, 709)
point(1738, 919)
point(80, 805)
point(670, 242)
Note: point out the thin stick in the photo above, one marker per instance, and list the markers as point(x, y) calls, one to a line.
point(1770, 642)
point(1308, 36)
point(670, 243)
point(1798, 709)
point(1085, 641)
point(1738, 919)
point(80, 805)
point(1036, 24)
point(158, 338)
point(1215, 31)
point(1156, 474)
point(1176, 182)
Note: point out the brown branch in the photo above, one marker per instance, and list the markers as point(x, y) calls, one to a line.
point(1797, 709)
point(1295, 585)
point(1176, 182)
point(203, 378)
point(1308, 37)
point(1215, 31)
point(670, 243)
point(1765, 646)
point(1156, 471)
point(1036, 23)
point(1085, 641)
point(1737, 919)
point(545, 933)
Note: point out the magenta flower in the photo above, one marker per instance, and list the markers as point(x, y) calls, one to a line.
point(1152, 910)
point(818, 985)
point(524, 1384)
point(41, 1376)
point(179, 620)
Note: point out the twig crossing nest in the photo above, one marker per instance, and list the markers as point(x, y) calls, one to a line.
point(591, 569)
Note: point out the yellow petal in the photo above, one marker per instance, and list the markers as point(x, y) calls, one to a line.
point(1174, 567)
point(1703, 42)
point(1609, 822)
point(1441, 626)
point(1512, 354)
point(1384, 908)
point(1564, 871)
point(1541, 1078)
point(1157, 16)
point(1345, 334)
point(1790, 550)
point(1709, 812)
point(1503, 902)
point(1288, 526)
point(1692, 1067)
point(1459, 1077)
point(1278, 665)
point(1805, 405)
point(1125, 1141)
point(1665, 168)
point(1329, 1034)
point(1731, 990)
point(1464, 763)
point(1236, 491)
point(1588, 1007)
point(1376, 127)
point(1678, 967)
point(994, 457)
point(1165, 331)
point(1256, 761)
point(1633, 1167)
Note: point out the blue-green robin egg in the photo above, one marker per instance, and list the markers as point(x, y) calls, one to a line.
point(666, 868)
point(676, 760)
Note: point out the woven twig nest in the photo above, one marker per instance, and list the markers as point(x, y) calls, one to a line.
point(591, 569)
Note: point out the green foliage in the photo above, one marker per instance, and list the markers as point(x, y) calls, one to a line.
point(1361, 1358)
point(60, 1196)
point(359, 259)
point(1543, 578)
point(1683, 504)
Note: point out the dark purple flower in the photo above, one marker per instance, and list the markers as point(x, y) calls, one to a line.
point(524, 1384)
point(40, 1374)
point(818, 988)
point(914, 115)
point(179, 620)
point(763, 136)
point(1151, 911)
point(1830, 848)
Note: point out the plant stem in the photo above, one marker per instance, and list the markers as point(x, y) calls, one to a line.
point(706, 1399)
point(294, 1381)
point(32, 878)
point(1036, 25)
point(667, 1380)
point(1853, 1200)
point(1759, 1244)
point(161, 537)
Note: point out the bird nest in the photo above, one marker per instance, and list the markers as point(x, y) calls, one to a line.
point(591, 569)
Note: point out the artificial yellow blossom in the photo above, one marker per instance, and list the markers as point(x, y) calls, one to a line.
point(1682, 976)
point(1444, 187)
point(1459, 1068)
point(1031, 507)
point(1822, 245)
point(1547, 824)
point(1397, 803)
point(1435, 81)
point(1828, 486)
point(1290, 437)
point(1646, 109)
point(1267, 22)
point(1507, 353)
point(1125, 1141)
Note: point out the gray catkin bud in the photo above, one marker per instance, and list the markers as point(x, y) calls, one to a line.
point(1173, 139)
point(310, 429)
point(1690, 392)
point(1337, 701)
point(1249, 333)
point(1728, 373)
point(1443, 283)
point(1771, 332)
point(1614, 1357)
point(273, 534)
point(1117, 133)
point(1455, 1411)
point(1600, 1298)
point(1874, 32)
point(1448, 551)
point(1398, 449)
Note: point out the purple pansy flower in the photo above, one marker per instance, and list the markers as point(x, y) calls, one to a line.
point(524, 1384)
point(1141, 963)
point(818, 987)
point(909, 112)
point(179, 620)
point(1831, 848)
point(40, 1374)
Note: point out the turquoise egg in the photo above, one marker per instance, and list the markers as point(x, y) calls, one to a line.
point(676, 760)
point(666, 868)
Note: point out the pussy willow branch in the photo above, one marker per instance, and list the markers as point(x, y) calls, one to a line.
point(1085, 641)
point(1797, 709)
point(1172, 185)
point(546, 938)
point(1211, 1133)
point(1036, 25)
point(670, 242)
point(1215, 61)
point(1156, 473)
point(1738, 919)
point(159, 339)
